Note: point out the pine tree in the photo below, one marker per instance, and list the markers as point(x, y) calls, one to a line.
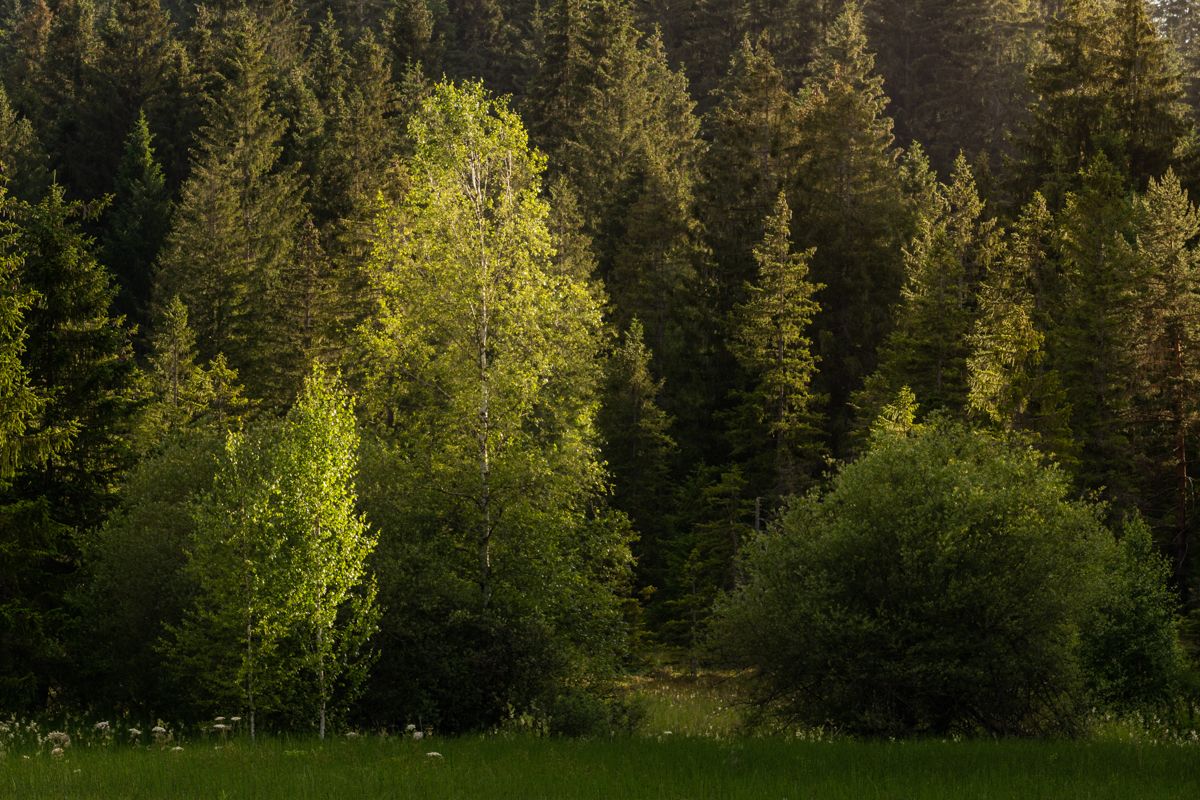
point(22, 160)
point(1086, 345)
point(1164, 340)
point(79, 359)
point(237, 223)
point(638, 448)
point(1109, 84)
point(955, 70)
point(752, 131)
point(1010, 385)
point(773, 345)
point(849, 205)
point(928, 349)
point(137, 223)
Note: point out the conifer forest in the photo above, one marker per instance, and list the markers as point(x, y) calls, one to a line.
point(368, 362)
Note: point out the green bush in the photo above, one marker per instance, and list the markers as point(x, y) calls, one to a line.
point(943, 584)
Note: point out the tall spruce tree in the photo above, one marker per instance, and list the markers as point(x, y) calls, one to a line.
point(1109, 84)
point(624, 134)
point(137, 223)
point(928, 350)
point(1164, 339)
point(1011, 384)
point(1087, 345)
point(22, 159)
point(772, 342)
point(753, 131)
point(639, 449)
point(237, 223)
point(78, 357)
point(849, 204)
point(955, 70)
point(135, 72)
point(20, 403)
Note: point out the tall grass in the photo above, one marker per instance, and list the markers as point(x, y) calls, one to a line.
point(672, 767)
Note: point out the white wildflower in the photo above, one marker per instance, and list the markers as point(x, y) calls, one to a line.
point(102, 727)
point(177, 749)
point(418, 735)
point(433, 754)
point(134, 733)
point(235, 719)
point(218, 719)
point(351, 734)
point(409, 728)
point(58, 739)
point(57, 752)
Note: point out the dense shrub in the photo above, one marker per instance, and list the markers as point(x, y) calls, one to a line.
point(944, 584)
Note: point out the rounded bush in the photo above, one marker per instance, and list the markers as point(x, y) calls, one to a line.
point(944, 583)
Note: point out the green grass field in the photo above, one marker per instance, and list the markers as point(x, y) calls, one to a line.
point(673, 767)
point(689, 748)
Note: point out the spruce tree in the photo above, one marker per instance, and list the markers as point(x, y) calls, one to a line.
point(237, 223)
point(1010, 384)
point(137, 223)
point(752, 130)
point(772, 342)
point(849, 205)
point(638, 448)
point(1086, 346)
point(955, 70)
point(22, 159)
point(77, 356)
point(624, 135)
point(134, 74)
point(948, 258)
point(1163, 415)
point(1109, 84)
point(20, 403)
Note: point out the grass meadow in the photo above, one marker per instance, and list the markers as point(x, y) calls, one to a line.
point(689, 747)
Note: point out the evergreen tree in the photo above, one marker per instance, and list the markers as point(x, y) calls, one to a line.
point(1086, 346)
point(773, 345)
point(1109, 84)
point(928, 350)
point(134, 74)
point(752, 131)
point(20, 403)
point(1164, 339)
point(639, 449)
point(137, 223)
point(955, 70)
point(1152, 116)
point(408, 32)
point(849, 205)
point(237, 223)
point(1006, 378)
point(78, 358)
point(22, 160)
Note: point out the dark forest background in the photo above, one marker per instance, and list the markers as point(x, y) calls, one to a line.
point(790, 217)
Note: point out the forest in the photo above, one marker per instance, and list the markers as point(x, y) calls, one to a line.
point(378, 362)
